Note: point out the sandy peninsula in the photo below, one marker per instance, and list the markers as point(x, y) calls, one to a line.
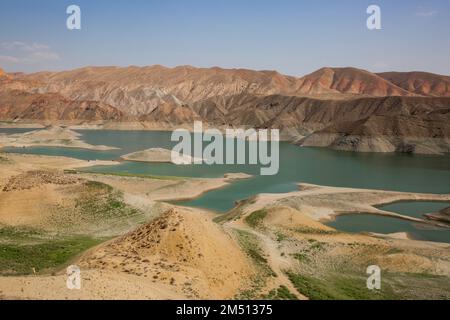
point(158, 155)
point(52, 136)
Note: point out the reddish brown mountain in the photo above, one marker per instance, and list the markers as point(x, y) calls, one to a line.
point(279, 111)
point(350, 81)
point(172, 115)
point(20, 105)
point(421, 83)
point(342, 101)
point(381, 133)
point(138, 91)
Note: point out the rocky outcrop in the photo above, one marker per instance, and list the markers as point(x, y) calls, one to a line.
point(385, 134)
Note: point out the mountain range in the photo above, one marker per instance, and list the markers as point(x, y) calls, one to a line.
point(341, 108)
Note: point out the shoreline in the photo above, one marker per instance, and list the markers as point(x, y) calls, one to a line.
point(324, 204)
point(55, 146)
point(285, 133)
point(51, 136)
point(211, 184)
point(410, 197)
point(122, 126)
point(198, 187)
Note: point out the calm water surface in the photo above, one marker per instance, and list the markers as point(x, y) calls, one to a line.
point(377, 224)
point(410, 173)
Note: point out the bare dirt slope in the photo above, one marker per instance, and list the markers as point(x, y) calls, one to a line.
point(49, 211)
point(182, 249)
point(422, 83)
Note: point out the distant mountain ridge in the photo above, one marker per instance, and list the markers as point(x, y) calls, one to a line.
point(331, 99)
point(137, 91)
point(351, 81)
point(421, 83)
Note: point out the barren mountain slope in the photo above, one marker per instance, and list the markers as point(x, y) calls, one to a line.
point(422, 83)
point(139, 91)
point(429, 135)
point(19, 105)
point(348, 80)
point(278, 111)
point(160, 97)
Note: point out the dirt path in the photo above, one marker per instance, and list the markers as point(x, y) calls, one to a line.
point(275, 260)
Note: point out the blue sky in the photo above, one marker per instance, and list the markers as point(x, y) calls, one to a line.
point(292, 36)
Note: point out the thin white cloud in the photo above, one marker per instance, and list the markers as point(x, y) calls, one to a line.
point(22, 46)
point(8, 59)
point(43, 55)
point(21, 52)
point(423, 13)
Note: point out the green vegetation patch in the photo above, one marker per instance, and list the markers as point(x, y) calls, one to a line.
point(281, 293)
point(312, 249)
point(394, 251)
point(102, 201)
point(43, 257)
point(249, 243)
point(255, 219)
point(301, 257)
point(339, 287)
point(349, 285)
point(280, 236)
point(308, 230)
point(129, 175)
point(14, 234)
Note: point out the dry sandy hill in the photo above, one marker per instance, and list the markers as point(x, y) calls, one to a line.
point(183, 249)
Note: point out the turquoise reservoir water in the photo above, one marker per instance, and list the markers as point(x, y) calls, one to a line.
point(311, 165)
point(377, 224)
point(399, 172)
